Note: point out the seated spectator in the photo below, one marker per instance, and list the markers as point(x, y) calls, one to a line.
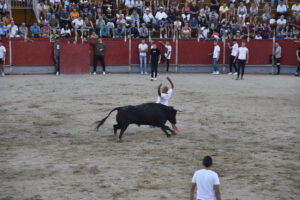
point(177, 27)
point(253, 12)
point(174, 4)
point(88, 25)
point(129, 4)
point(149, 18)
point(185, 12)
point(139, 6)
point(94, 35)
point(266, 31)
point(296, 22)
point(296, 8)
point(110, 19)
point(231, 11)
point(85, 10)
point(107, 4)
point(213, 18)
point(35, 30)
point(272, 3)
point(295, 32)
point(147, 4)
point(279, 36)
point(133, 32)
point(56, 9)
point(53, 23)
point(104, 32)
point(23, 30)
point(280, 24)
point(186, 32)
point(74, 14)
point(7, 19)
point(290, 36)
point(65, 31)
point(120, 28)
point(45, 30)
point(266, 16)
point(241, 13)
point(207, 11)
point(54, 34)
point(223, 11)
point(194, 10)
point(12, 30)
point(98, 13)
point(202, 13)
point(162, 24)
point(215, 5)
point(99, 24)
point(78, 24)
point(64, 18)
point(3, 7)
point(281, 10)
point(194, 25)
point(258, 36)
point(143, 31)
point(135, 18)
point(202, 21)
point(161, 14)
point(47, 10)
point(40, 10)
point(172, 15)
point(3, 29)
point(120, 13)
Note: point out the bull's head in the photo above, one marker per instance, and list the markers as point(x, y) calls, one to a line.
point(172, 115)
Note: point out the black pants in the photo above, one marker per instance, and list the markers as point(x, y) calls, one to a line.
point(232, 63)
point(241, 68)
point(101, 58)
point(298, 69)
point(154, 68)
point(277, 60)
point(164, 59)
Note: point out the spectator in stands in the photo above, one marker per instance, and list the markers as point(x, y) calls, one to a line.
point(281, 10)
point(149, 18)
point(104, 32)
point(194, 10)
point(94, 35)
point(139, 6)
point(223, 11)
point(272, 3)
point(241, 13)
point(53, 22)
point(99, 24)
point(266, 16)
point(135, 18)
point(56, 48)
point(215, 5)
point(110, 20)
point(56, 9)
point(213, 20)
point(147, 4)
point(88, 24)
point(35, 30)
point(296, 8)
point(143, 49)
point(47, 10)
point(99, 49)
point(133, 32)
point(3, 7)
point(23, 30)
point(45, 30)
point(64, 18)
point(194, 25)
point(65, 31)
point(143, 31)
point(177, 27)
point(78, 23)
point(162, 24)
point(253, 12)
point(7, 19)
point(107, 4)
point(266, 31)
point(186, 32)
point(174, 4)
point(172, 15)
point(129, 4)
point(231, 11)
point(279, 36)
point(54, 34)
point(161, 14)
point(120, 29)
point(85, 10)
point(40, 9)
point(281, 22)
point(12, 29)
point(74, 14)
point(185, 12)
point(3, 29)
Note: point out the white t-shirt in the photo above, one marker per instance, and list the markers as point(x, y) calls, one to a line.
point(159, 15)
point(242, 53)
point(164, 97)
point(205, 180)
point(168, 49)
point(216, 51)
point(296, 8)
point(147, 17)
point(2, 51)
point(77, 22)
point(13, 31)
point(143, 47)
point(281, 9)
point(234, 50)
point(281, 22)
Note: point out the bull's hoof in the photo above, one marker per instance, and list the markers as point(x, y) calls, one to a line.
point(174, 133)
point(168, 135)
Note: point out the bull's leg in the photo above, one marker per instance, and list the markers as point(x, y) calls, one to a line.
point(116, 127)
point(123, 128)
point(168, 128)
point(163, 128)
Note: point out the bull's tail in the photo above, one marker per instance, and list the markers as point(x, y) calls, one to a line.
point(101, 122)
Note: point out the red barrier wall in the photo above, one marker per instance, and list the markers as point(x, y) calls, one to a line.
point(288, 52)
point(5, 43)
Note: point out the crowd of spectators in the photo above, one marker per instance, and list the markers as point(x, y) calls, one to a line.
point(238, 19)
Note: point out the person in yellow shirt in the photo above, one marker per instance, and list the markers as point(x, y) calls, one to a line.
point(223, 11)
point(74, 14)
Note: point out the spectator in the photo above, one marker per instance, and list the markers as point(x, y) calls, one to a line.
point(107, 4)
point(85, 10)
point(7, 19)
point(77, 24)
point(94, 35)
point(194, 10)
point(194, 24)
point(3, 7)
point(231, 12)
point(177, 27)
point(139, 6)
point(110, 19)
point(162, 24)
point(281, 22)
point(266, 13)
point(99, 49)
point(99, 24)
point(65, 31)
point(185, 12)
point(266, 31)
point(45, 30)
point(272, 3)
point(206, 181)
point(35, 30)
point(161, 14)
point(296, 22)
point(296, 8)
point(56, 49)
point(104, 32)
point(258, 36)
point(143, 49)
point(129, 4)
point(143, 31)
point(47, 10)
point(53, 23)
point(56, 9)
point(74, 14)
point(241, 13)
point(174, 4)
point(277, 56)
point(279, 36)
point(121, 23)
point(88, 25)
point(172, 15)
point(23, 30)
point(133, 32)
point(215, 5)
point(3, 29)
point(64, 18)
point(253, 12)
point(135, 18)
point(186, 32)
point(2, 58)
point(149, 18)
point(41, 10)
point(223, 11)
point(54, 34)
point(12, 29)
point(281, 10)
point(147, 4)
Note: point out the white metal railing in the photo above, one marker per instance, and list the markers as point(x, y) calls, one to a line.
point(34, 7)
point(21, 4)
point(9, 7)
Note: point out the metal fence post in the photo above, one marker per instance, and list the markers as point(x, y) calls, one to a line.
point(176, 57)
point(129, 68)
point(273, 50)
point(224, 53)
point(10, 56)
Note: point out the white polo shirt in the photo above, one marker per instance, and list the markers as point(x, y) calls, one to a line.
point(281, 9)
point(242, 53)
point(216, 51)
point(234, 50)
point(168, 49)
point(164, 97)
point(143, 47)
point(77, 22)
point(159, 15)
point(2, 51)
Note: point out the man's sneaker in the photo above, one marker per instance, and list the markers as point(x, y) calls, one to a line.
point(145, 73)
point(230, 73)
point(296, 74)
point(155, 79)
point(160, 36)
point(166, 36)
point(94, 73)
point(151, 79)
point(235, 73)
point(217, 73)
point(103, 73)
point(213, 73)
point(57, 73)
point(2, 74)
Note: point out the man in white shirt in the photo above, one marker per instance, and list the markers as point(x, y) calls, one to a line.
point(216, 55)
point(143, 49)
point(296, 8)
point(207, 182)
point(2, 58)
point(12, 29)
point(281, 9)
point(161, 14)
point(165, 94)
point(77, 24)
point(243, 57)
point(167, 56)
point(129, 4)
point(234, 50)
point(280, 24)
point(149, 18)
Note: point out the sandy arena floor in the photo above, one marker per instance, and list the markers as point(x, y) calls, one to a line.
point(49, 149)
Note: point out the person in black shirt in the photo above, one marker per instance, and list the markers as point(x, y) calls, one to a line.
point(155, 57)
point(215, 5)
point(194, 10)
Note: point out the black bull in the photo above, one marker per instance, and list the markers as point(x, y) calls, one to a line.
point(144, 114)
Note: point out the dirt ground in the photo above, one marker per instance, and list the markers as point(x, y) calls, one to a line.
point(49, 149)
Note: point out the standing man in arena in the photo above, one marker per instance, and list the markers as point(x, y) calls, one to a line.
point(143, 49)
point(298, 58)
point(2, 58)
point(243, 57)
point(207, 182)
point(234, 50)
point(99, 49)
point(277, 55)
point(216, 55)
point(56, 49)
point(154, 59)
point(167, 56)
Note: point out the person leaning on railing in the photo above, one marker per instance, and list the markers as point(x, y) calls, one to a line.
point(35, 30)
point(23, 30)
point(3, 29)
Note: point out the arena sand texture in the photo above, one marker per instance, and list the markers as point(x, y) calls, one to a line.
point(49, 149)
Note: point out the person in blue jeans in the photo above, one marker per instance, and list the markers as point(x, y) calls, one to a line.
point(56, 48)
point(216, 55)
point(143, 49)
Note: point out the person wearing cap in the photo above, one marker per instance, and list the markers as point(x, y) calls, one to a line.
point(12, 29)
point(3, 29)
point(207, 182)
point(149, 18)
point(99, 49)
point(143, 31)
point(56, 48)
point(2, 58)
point(161, 14)
point(110, 20)
point(23, 30)
point(35, 30)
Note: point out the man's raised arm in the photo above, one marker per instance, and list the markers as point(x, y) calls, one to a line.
point(172, 85)
point(158, 90)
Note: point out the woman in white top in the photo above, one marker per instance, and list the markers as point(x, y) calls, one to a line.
point(243, 57)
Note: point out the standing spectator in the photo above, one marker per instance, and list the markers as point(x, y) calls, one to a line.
point(185, 12)
point(65, 31)
point(35, 30)
point(12, 29)
point(243, 57)
point(2, 58)
point(99, 49)
point(3, 29)
point(207, 182)
point(143, 31)
point(56, 49)
point(277, 55)
point(216, 55)
point(143, 49)
point(234, 49)
point(281, 10)
point(167, 56)
point(155, 59)
point(23, 30)
point(149, 18)
point(298, 58)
